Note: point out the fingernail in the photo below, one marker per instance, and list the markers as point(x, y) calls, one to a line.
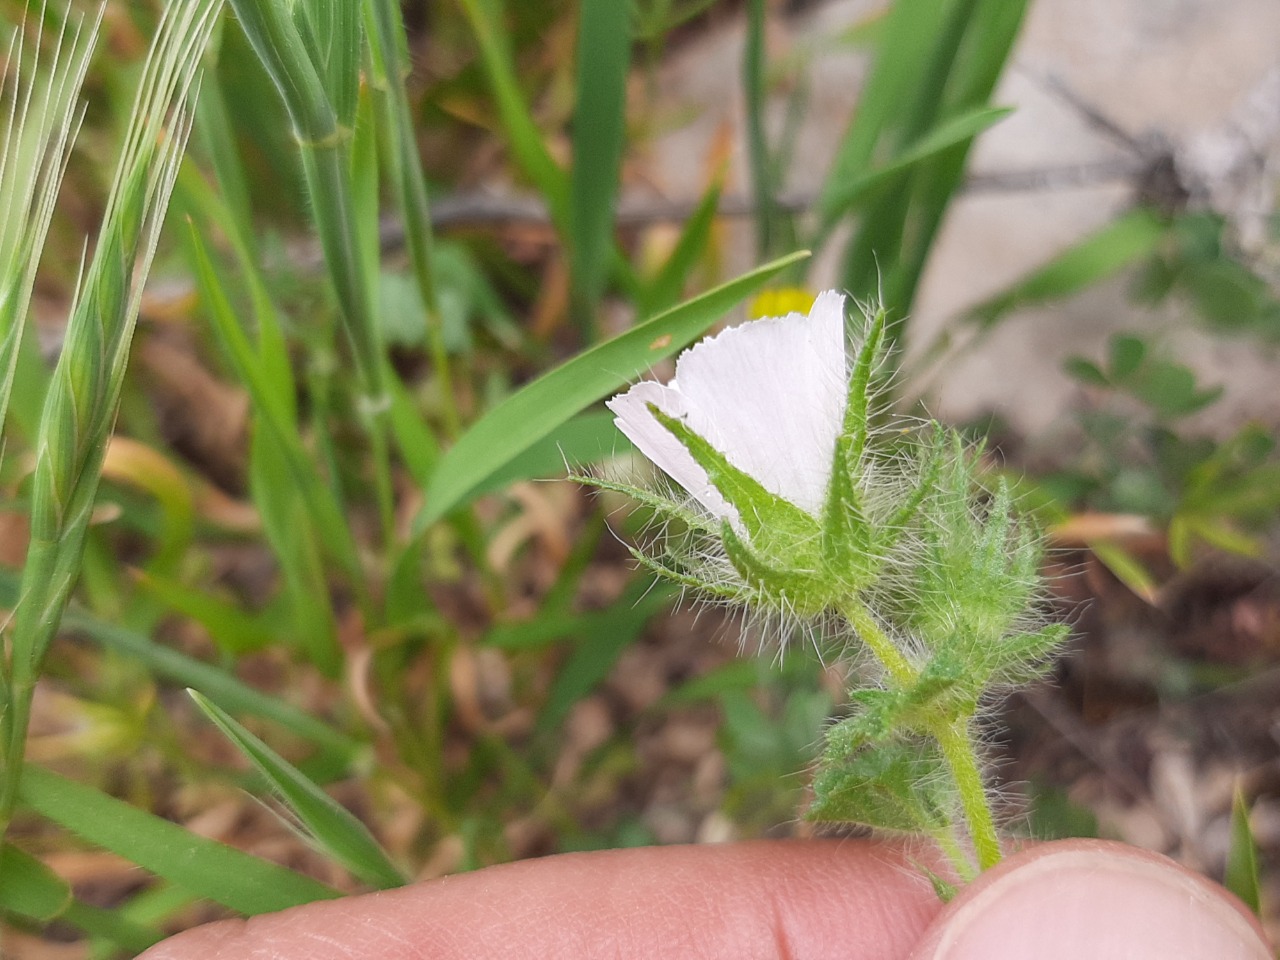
point(1098, 900)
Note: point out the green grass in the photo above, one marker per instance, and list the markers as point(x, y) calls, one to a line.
point(392, 529)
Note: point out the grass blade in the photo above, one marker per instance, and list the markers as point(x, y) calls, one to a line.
point(275, 384)
point(275, 412)
point(902, 58)
point(840, 198)
point(215, 136)
point(526, 142)
point(333, 32)
point(389, 43)
point(109, 929)
point(1101, 254)
point(1242, 877)
point(933, 77)
point(84, 394)
point(335, 832)
point(204, 867)
point(307, 69)
point(587, 438)
point(418, 445)
point(664, 290)
point(980, 55)
point(598, 648)
point(40, 123)
point(763, 187)
point(231, 628)
point(30, 889)
point(299, 541)
point(185, 671)
point(599, 126)
point(527, 416)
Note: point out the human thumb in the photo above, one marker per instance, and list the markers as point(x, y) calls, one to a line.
point(1096, 899)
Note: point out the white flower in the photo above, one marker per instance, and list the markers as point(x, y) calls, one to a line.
point(769, 395)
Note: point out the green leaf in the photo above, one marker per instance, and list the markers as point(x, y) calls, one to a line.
point(287, 56)
point(1054, 816)
point(1252, 493)
point(900, 786)
point(1018, 658)
point(1220, 534)
point(532, 413)
point(30, 889)
point(1242, 875)
point(418, 445)
point(876, 715)
point(204, 867)
point(662, 507)
point(797, 590)
point(901, 61)
point(1125, 355)
point(293, 535)
point(336, 833)
point(553, 626)
point(1086, 371)
point(861, 389)
point(846, 533)
point(333, 31)
point(736, 675)
point(1170, 389)
point(1228, 294)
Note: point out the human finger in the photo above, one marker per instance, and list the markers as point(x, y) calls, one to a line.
point(855, 900)
point(1096, 899)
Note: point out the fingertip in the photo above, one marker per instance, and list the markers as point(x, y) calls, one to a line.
point(1097, 899)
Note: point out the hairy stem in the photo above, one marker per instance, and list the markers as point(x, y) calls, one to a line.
point(957, 749)
point(955, 852)
point(953, 738)
point(882, 648)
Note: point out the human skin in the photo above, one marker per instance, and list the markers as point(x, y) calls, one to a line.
point(798, 900)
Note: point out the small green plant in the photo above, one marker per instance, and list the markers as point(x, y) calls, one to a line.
point(794, 498)
point(1140, 456)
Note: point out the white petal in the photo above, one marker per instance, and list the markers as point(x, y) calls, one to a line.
point(770, 395)
point(637, 423)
